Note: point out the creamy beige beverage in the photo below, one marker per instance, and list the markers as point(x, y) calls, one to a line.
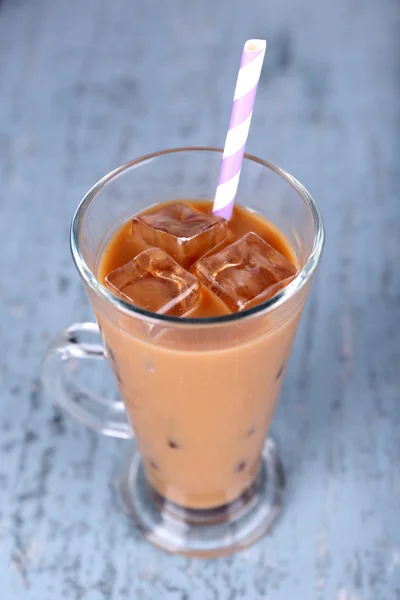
point(200, 403)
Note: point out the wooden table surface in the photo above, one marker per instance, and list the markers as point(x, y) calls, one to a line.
point(87, 85)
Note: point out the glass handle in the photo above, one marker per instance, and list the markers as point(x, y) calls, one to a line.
point(67, 352)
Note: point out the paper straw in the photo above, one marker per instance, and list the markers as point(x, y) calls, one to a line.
point(239, 125)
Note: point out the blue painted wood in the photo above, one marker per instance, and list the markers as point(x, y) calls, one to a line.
point(88, 85)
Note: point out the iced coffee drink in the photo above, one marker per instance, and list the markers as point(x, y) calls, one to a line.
point(200, 409)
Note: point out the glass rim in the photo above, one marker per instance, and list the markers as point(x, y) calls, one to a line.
point(285, 294)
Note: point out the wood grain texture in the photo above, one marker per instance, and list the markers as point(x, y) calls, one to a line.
point(88, 85)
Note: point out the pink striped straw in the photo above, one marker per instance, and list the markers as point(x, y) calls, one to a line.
point(239, 125)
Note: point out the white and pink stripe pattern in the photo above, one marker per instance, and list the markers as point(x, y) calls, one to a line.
point(242, 110)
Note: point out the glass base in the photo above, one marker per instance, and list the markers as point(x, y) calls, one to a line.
point(204, 533)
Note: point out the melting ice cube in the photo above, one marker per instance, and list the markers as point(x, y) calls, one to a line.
point(155, 282)
point(247, 272)
point(181, 231)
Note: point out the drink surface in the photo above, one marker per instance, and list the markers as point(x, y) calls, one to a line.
point(211, 238)
point(200, 398)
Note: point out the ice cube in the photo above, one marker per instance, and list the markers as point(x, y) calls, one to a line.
point(181, 231)
point(247, 272)
point(154, 281)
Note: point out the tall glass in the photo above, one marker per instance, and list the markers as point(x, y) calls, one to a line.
point(198, 395)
